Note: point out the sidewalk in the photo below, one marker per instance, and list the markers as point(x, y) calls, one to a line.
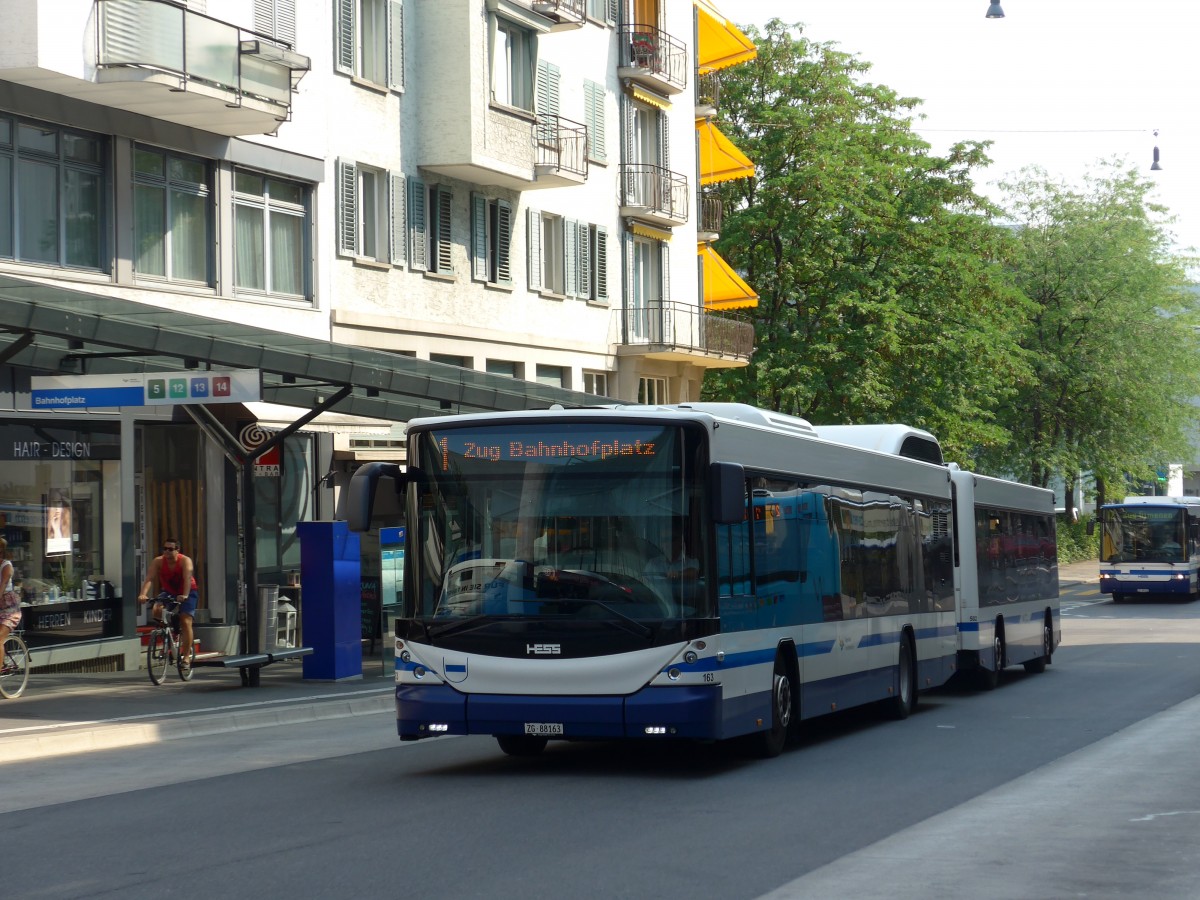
point(1085, 572)
point(78, 713)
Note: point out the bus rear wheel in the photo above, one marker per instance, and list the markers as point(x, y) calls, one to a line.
point(989, 678)
point(1038, 664)
point(521, 744)
point(901, 704)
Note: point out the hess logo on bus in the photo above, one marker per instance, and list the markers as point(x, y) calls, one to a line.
point(543, 649)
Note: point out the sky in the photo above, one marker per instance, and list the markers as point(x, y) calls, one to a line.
point(1056, 83)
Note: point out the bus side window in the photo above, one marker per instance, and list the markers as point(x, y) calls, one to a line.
point(735, 596)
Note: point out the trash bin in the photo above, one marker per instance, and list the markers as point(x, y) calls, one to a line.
point(268, 605)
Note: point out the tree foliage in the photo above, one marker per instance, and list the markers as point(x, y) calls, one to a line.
point(882, 291)
point(1110, 331)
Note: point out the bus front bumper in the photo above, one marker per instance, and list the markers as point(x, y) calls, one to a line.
point(689, 711)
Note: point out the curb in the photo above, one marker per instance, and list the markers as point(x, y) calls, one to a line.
point(46, 741)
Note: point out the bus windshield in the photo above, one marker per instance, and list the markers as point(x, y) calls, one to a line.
point(1143, 534)
point(569, 521)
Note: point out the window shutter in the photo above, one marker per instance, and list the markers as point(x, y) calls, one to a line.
point(285, 21)
point(503, 242)
point(585, 261)
point(347, 186)
point(534, 250)
point(479, 237)
point(612, 12)
point(444, 261)
point(593, 114)
point(396, 45)
point(418, 240)
point(664, 257)
point(601, 263)
point(664, 140)
point(399, 210)
point(633, 298)
point(570, 258)
point(343, 31)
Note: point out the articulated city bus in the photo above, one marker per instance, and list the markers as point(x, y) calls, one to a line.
point(1150, 547)
point(705, 571)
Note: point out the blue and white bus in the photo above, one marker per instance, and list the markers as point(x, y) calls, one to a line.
point(1150, 547)
point(704, 571)
point(1006, 575)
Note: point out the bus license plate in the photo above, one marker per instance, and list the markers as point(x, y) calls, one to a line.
point(543, 728)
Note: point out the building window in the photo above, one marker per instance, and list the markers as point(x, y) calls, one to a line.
point(371, 213)
point(369, 41)
point(429, 227)
point(449, 359)
point(514, 56)
point(595, 383)
point(505, 367)
point(603, 10)
point(566, 257)
point(172, 216)
point(52, 195)
point(553, 375)
point(491, 240)
point(647, 286)
point(271, 225)
point(652, 390)
point(594, 97)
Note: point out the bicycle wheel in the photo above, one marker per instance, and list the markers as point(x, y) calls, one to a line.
point(14, 667)
point(157, 656)
point(184, 664)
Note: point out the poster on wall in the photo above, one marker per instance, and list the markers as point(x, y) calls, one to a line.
point(58, 524)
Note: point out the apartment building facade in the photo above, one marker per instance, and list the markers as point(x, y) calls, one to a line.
point(491, 190)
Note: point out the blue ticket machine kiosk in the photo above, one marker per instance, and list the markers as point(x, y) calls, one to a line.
point(330, 577)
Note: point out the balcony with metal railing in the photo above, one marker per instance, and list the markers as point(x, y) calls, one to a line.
point(708, 94)
point(560, 152)
point(712, 214)
point(685, 332)
point(654, 194)
point(653, 58)
point(155, 58)
point(564, 13)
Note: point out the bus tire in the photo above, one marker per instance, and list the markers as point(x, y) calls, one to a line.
point(521, 744)
point(902, 703)
point(770, 743)
point(1118, 598)
point(989, 678)
point(1037, 665)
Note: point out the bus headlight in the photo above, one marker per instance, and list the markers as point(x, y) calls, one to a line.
point(673, 673)
point(690, 657)
point(405, 657)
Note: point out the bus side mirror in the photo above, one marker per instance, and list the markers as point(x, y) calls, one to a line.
point(727, 487)
point(1091, 527)
point(377, 487)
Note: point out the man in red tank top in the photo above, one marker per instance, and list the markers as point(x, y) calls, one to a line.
point(174, 575)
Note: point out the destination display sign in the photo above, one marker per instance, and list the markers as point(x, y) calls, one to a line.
point(144, 389)
point(551, 446)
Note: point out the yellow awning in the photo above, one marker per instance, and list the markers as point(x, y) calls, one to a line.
point(720, 160)
point(723, 289)
point(650, 98)
point(641, 229)
point(720, 43)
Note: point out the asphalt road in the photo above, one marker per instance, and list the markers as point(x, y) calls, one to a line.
point(1078, 782)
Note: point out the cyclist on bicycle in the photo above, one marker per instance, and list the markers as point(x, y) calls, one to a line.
point(10, 600)
point(176, 576)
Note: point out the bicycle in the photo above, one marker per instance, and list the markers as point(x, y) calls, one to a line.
point(162, 649)
point(14, 666)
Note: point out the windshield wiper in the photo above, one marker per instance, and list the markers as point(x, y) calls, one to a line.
point(629, 624)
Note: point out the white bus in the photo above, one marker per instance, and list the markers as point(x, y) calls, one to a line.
point(1150, 547)
point(1006, 575)
point(704, 571)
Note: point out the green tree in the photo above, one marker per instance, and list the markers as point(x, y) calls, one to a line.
point(1110, 332)
point(882, 291)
